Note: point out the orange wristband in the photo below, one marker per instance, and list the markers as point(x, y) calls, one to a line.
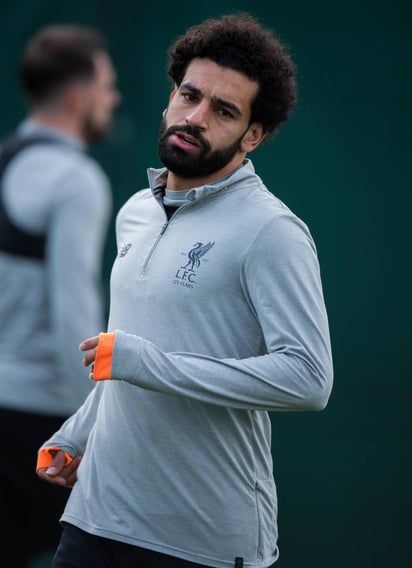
point(45, 457)
point(102, 369)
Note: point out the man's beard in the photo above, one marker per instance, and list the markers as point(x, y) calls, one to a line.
point(92, 131)
point(186, 164)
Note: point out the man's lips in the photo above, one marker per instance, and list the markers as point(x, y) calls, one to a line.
point(184, 140)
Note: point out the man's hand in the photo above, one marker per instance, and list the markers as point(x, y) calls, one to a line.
point(90, 346)
point(59, 474)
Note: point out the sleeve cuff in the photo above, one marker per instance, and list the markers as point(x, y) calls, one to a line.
point(45, 457)
point(102, 369)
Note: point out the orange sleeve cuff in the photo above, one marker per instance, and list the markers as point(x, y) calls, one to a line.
point(102, 369)
point(45, 457)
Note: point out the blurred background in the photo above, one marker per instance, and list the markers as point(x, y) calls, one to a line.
point(342, 164)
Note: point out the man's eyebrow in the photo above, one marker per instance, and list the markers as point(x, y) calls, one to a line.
point(215, 100)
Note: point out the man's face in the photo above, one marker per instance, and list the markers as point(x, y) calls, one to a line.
point(203, 132)
point(102, 98)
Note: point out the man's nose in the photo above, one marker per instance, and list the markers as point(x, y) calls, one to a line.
point(197, 116)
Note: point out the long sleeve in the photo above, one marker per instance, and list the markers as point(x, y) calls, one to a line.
point(281, 282)
point(73, 434)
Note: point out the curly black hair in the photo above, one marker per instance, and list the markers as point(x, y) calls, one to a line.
point(240, 42)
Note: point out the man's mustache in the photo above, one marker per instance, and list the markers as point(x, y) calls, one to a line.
point(188, 129)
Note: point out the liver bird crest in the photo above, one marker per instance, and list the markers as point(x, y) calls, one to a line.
point(196, 253)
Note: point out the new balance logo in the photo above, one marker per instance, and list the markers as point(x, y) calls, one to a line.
point(124, 248)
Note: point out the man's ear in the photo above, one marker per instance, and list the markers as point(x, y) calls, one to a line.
point(254, 135)
point(172, 94)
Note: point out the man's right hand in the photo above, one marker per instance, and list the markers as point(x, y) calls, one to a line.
point(59, 474)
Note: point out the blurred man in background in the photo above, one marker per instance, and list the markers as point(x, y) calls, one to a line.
point(55, 209)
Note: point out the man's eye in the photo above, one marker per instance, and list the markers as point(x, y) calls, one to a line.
point(224, 112)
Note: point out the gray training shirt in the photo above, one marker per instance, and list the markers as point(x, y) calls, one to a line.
point(222, 319)
point(48, 306)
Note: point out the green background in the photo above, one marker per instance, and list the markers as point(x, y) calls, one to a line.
point(342, 163)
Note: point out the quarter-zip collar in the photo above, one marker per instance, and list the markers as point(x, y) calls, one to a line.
point(157, 182)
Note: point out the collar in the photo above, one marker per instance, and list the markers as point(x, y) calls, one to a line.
point(157, 182)
point(29, 126)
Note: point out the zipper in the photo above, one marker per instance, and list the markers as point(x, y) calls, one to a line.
point(143, 272)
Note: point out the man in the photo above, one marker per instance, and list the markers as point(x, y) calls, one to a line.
point(56, 204)
point(218, 318)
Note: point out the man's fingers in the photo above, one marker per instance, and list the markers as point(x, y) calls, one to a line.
point(89, 357)
point(57, 464)
point(53, 479)
point(63, 476)
point(90, 346)
point(72, 467)
point(90, 343)
point(70, 472)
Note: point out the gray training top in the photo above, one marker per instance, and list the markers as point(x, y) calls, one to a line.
point(223, 319)
point(48, 306)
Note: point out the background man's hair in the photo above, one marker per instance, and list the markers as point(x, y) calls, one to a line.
point(240, 42)
point(56, 56)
